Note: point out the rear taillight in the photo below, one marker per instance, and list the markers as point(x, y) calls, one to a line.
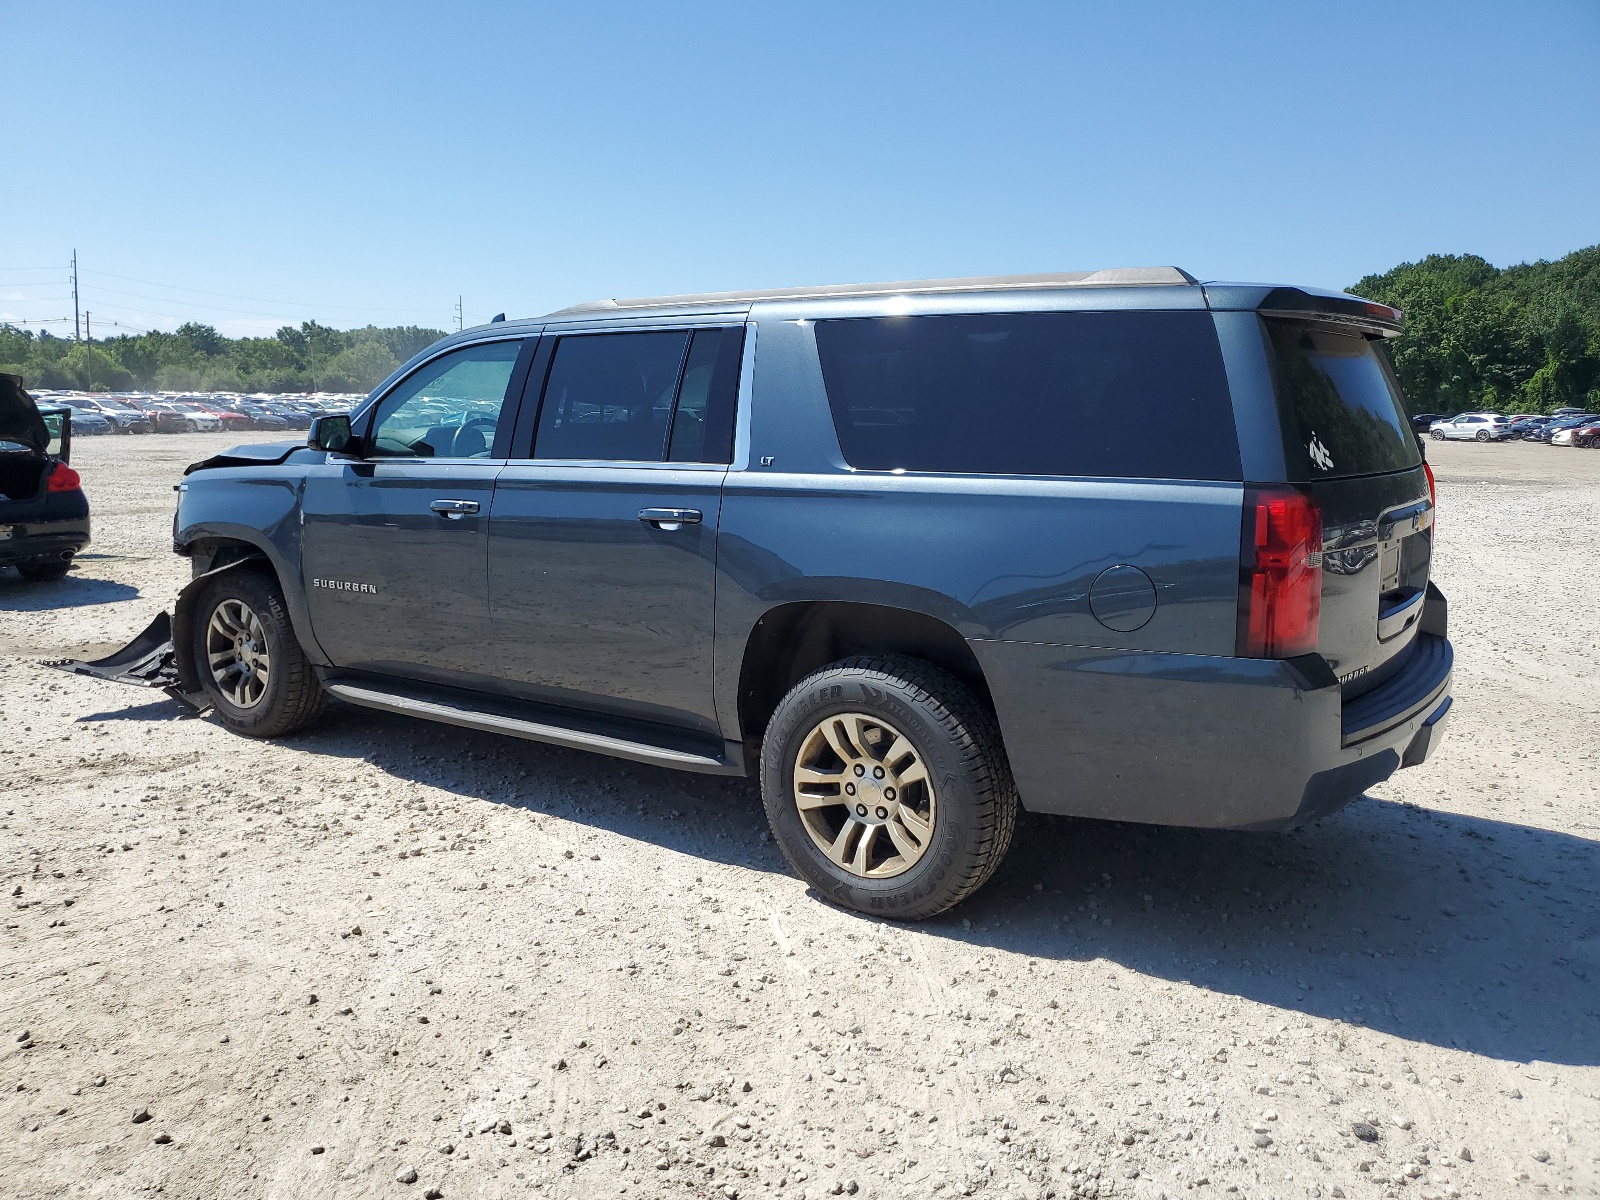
point(1280, 573)
point(63, 479)
point(1433, 495)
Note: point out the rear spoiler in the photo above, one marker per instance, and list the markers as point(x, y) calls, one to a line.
point(1366, 315)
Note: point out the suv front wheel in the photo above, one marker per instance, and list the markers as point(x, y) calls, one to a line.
point(887, 786)
point(249, 661)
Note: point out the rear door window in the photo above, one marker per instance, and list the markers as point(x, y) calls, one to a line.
point(1119, 394)
point(651, 396)
point(1339, 404)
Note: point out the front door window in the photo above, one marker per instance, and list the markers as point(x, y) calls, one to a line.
point(448, 409)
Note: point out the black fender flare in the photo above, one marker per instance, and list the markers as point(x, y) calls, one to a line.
point(285, 567)
point(183, 619)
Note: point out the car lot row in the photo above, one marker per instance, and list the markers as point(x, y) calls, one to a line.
point(1564, 427)
point(187, 412)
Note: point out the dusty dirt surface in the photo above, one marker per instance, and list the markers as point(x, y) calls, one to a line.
point(393, 959)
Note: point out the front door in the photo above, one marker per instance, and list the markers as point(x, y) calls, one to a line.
point(603, 539)
point(395, 538)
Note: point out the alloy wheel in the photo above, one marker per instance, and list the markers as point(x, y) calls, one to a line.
point(236, 652)
point(864, 795)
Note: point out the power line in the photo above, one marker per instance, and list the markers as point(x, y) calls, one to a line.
point(253, 299)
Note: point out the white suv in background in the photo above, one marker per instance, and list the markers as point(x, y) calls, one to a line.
point(1471, 427)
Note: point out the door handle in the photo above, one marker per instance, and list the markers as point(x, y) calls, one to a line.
point(454, 510)
point(670, 518)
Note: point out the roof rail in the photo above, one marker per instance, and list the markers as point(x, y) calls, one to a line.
point(1109, 277)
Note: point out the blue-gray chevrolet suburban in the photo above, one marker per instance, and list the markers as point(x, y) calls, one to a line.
point(1118, 544)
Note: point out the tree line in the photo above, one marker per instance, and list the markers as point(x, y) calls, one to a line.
point(196, 357)
point(1524, 338)
point(1478, 337)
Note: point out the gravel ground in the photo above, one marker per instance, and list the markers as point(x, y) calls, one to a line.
point(394, 959)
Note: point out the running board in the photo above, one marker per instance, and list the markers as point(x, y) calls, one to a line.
point(534, 731)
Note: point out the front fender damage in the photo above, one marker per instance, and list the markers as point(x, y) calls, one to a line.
point(163, 655)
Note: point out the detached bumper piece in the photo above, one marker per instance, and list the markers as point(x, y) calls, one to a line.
point(147, 661)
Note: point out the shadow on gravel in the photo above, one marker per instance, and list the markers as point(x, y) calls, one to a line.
point(75, 591)
point(167, 709)
point(713, 817)
point(1438, 928)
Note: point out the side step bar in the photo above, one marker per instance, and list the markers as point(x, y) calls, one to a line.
point(535, 731)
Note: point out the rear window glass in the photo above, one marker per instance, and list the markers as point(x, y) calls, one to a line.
point(1122, 394)
point(1341, 408)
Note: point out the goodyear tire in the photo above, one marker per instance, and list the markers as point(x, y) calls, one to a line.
point(887, 786)
point(250, 664)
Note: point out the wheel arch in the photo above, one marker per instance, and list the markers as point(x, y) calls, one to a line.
point(790, 641)
point(213, 547)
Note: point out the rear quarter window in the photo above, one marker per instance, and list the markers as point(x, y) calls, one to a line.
point(1120, 394)
point(1341, 409)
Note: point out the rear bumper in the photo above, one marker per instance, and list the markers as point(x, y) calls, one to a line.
point(1227, 743)
point(38, 537)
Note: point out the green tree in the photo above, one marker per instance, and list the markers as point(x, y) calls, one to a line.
point(1526, 338)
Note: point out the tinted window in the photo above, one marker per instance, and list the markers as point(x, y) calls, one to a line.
point(1341, 409)
point(448, 408)
point(609, 396)
point(702, 426)
point(1128, 394)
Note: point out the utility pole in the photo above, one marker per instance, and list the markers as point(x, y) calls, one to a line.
point(74, 295)
point(458, 314)
point(87, 336)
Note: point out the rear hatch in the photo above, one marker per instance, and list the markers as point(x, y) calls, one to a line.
point(1348, 442)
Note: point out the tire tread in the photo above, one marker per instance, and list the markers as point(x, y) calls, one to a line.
point(973, 731)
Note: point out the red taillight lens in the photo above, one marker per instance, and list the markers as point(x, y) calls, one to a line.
point(1433, 495)
point(63, 479)
point(1280, 573)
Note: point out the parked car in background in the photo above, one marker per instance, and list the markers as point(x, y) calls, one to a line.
point(227, 417)
point(1471, 427)
point(292, 417)
point(1576, 431)
point(1422, 422)
point(123, 417)
point(183, 418)
point(86, 422)
point(44, 515)
point(261, 418)
point(1560, 425)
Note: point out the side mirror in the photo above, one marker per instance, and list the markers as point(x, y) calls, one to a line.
point(329, 432)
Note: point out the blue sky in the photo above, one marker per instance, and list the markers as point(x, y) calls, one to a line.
point(251, 165)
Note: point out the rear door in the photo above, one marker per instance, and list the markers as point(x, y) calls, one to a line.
point(1346, 437)
point(603, 539)
point(395, 541)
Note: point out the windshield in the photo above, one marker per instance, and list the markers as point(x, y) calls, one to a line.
point(1341, 409)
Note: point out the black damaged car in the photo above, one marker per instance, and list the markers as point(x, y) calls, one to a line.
point(44, 515)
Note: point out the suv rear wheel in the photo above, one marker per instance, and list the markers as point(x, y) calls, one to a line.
point(248, 659)
point(887, 786)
